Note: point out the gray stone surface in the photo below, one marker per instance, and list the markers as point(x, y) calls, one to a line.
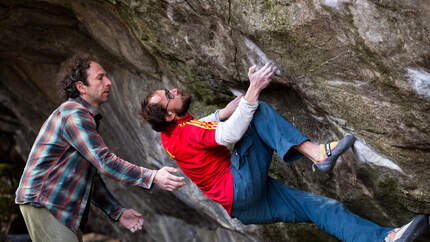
point(346, 66)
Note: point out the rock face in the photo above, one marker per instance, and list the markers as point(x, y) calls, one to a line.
point(346, 66)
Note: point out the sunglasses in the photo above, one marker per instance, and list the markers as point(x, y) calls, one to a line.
point(169, 96)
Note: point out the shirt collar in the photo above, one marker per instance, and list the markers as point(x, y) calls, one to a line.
point(95, 112)
point(181, 120)
point(184, 119)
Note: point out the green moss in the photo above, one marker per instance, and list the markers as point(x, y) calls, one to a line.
point(276, 13)
point(143, 33)
point(269, 14)
point(386, 187)
point(194, 83)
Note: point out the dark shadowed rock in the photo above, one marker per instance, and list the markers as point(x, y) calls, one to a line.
point(360, 67)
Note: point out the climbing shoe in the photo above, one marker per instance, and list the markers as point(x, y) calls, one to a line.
point(412, 230)
point(332, 152)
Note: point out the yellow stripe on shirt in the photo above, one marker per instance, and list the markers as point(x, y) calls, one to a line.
point(202, 124)
point(170, 154)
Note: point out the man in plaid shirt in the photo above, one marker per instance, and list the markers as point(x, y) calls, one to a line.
point(62, 171)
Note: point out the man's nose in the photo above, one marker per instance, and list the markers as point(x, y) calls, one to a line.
point(174, 91)
point(108, 82)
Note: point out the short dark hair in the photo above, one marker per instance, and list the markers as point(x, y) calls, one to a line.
point(72, 70)
point(155, 114)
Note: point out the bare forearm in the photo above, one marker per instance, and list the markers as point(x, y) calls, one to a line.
point(253, 93)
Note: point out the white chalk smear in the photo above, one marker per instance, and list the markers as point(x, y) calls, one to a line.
point(420, 81)
point(334, 3)
point(366, 155)
point(254, 48)
point(263, 59)
point(340, 82)
point(236, 92)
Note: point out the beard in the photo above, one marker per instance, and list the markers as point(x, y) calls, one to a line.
point(186, 103)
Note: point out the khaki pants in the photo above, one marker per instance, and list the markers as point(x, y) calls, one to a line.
point(44, 227)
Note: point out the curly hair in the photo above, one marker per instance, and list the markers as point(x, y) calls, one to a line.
point(155, 114)
point(71, 71)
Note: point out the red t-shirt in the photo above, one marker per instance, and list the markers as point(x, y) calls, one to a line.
point(192, 144)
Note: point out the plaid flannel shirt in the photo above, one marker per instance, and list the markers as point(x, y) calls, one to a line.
point(61, 173)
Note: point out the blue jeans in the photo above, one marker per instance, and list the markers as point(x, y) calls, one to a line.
point(260, 199)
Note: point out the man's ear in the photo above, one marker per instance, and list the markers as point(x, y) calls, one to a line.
point(170, 116)
point(81, 87)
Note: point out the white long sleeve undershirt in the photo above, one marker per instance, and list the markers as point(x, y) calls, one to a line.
point(232, 130)
point(213, 117)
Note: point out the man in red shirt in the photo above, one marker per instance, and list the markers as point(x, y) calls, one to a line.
point(240, 181)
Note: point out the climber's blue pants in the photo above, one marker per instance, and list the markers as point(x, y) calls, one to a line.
point(259, 199)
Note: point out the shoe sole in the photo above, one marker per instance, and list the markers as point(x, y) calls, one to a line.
point(416, 229)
